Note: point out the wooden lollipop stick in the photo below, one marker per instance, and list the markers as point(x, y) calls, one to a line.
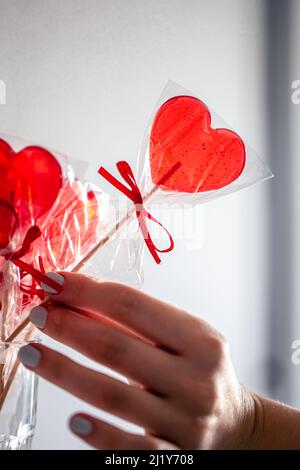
point(18, 330)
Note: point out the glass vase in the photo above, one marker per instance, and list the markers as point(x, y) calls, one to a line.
point(18, 399)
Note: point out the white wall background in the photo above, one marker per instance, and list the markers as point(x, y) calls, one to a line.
point(83, 76)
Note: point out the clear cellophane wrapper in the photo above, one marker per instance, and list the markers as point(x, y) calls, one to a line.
point(81, 216)
point(179, 131)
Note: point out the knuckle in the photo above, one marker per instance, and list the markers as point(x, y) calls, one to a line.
point(192, 333)
point(217, 348)
point(193, 324)
point(198, 325)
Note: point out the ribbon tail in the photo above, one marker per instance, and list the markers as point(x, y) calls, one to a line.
point(148, 239)
point(171, 246)
point(154, 250)
point(36, 274)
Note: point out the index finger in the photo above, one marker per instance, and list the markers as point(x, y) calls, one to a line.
point(156, 320)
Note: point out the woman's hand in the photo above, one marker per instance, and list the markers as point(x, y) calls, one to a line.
point(183, 389)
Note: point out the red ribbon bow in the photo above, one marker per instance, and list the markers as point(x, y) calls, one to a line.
point(134, 194)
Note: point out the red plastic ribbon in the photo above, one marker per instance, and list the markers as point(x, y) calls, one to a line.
point(39, 276)
point(134, 194)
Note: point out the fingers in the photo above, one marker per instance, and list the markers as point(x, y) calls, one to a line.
point(130, 356)
point(106, 437)
point(151, 318)
point(130, 403)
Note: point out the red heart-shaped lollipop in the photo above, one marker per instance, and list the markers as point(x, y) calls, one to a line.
point(181, 132)
point(30, 181)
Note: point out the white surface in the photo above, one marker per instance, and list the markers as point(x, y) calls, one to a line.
point(82, 77)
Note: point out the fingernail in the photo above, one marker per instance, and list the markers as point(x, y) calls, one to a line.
point(81, 426)
point(38, 316)
point(29, 356)
point(55, 277)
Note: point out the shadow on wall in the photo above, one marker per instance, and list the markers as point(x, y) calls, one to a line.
point(281, 229)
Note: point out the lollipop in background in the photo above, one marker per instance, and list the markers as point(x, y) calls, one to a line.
point(37, 196)
point(30, 183)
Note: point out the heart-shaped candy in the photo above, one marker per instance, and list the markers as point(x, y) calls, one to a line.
point(181, 132)
point(30, 181)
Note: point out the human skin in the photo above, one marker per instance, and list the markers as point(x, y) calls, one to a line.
point(182, 387)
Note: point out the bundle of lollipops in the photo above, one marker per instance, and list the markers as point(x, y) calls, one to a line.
point(50, 220)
